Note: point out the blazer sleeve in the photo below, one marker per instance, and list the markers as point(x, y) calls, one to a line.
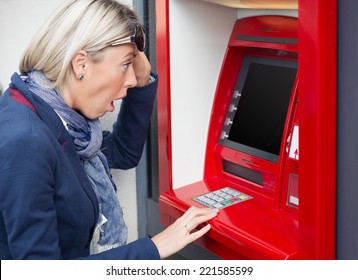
point(123, 146)
point(27, 199)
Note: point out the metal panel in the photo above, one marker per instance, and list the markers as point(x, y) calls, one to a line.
point(347, 132)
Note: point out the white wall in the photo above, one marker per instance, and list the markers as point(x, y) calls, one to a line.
point(199, 33)
point(19, 20)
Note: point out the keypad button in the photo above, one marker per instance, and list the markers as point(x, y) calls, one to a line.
point(218, 205)
point(222, 198)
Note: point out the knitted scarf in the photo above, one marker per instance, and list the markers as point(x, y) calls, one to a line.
point(111, 231)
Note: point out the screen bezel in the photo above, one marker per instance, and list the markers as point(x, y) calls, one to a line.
point(247, 61)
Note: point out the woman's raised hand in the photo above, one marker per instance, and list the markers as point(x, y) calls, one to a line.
point(142, 69)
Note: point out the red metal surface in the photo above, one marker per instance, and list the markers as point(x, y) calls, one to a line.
point(317, 116)
point(163, 96)
point(264, 227)
point(252, 230)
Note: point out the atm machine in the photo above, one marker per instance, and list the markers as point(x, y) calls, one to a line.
point(252, 157)
point(252, 146)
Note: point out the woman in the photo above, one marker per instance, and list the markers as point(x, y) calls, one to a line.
point(57, 198)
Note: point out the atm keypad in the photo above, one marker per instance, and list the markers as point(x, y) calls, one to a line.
point(222, 198)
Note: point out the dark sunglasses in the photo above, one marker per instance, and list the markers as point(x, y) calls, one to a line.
point(138, 38)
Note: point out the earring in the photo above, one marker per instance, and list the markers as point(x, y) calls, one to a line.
point(81, 77)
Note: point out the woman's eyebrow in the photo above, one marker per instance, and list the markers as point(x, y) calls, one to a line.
point(131, 53)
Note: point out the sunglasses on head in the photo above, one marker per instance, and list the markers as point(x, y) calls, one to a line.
point(138, 38)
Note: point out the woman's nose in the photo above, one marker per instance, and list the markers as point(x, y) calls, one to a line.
point(132, 79)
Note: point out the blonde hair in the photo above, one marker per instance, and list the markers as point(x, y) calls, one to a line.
point(89, 25)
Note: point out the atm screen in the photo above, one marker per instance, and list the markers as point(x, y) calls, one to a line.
point(256, 116)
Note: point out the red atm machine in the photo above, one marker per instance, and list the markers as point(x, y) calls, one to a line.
point(251, 170)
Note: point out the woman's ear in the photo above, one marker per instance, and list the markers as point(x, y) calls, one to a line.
point(79, 64)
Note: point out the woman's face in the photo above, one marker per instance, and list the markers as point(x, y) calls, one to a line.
point(103, 82)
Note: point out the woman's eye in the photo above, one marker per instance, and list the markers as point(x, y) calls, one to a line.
point(126, 66)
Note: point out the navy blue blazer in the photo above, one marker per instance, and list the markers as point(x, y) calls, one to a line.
point(48, 209)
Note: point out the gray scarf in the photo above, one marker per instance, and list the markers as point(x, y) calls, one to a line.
point(111, 231)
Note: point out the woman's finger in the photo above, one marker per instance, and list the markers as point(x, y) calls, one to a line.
point(199, 233)
point(196, 220)
point(195, 216)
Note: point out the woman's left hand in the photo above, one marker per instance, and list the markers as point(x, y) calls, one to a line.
point(183, 231)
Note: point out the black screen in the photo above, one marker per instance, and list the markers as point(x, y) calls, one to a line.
point(258, 123)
